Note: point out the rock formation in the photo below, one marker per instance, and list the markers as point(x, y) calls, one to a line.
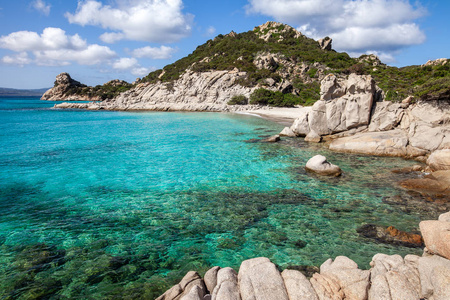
point(350, 116)
point(325, 43)
point(64, 89)
point(390, 276)
point(319, 164)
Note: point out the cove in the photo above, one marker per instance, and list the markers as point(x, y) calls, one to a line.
point(105, 204)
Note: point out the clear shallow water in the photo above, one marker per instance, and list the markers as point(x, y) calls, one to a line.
point(100, 204)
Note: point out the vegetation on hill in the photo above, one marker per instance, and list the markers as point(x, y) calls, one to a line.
point(239, 51)
point(227, 52)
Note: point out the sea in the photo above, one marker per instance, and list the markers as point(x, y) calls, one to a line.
point(121, 205)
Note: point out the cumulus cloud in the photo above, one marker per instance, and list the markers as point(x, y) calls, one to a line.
point(41, 7)
point(131, 65)
point(140, 20)
point(162, 52)
point(384, 26)
point(19, 59)
point(53, 47)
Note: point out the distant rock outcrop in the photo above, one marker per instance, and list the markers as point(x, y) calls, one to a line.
point(66, 88)
point(325, 43)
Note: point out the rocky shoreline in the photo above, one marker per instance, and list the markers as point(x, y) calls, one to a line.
point(390, 276)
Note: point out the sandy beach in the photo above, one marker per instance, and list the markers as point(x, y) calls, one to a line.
point(281, 115)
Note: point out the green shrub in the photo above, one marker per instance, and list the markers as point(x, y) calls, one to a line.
point(265, 97)
point(238, 100)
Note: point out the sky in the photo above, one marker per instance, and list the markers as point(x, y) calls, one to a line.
point(96, 41)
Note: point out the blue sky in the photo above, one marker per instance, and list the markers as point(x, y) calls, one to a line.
point(96, 41)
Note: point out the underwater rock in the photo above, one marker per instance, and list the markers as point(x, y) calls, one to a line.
point(272, 139)
point(319, 164)
point(390, 235)
point(436, 183)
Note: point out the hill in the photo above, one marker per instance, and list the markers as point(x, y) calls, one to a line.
point(7, 92)
point(277, 65)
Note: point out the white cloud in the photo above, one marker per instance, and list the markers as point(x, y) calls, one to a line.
point(54, 47)
point(50, 39)
point(141, 20)
point(141, 72)
point(354, 25)
point(162, 52)
point(91, 55)
point(211, 30)
point(41, 6)
point(19, 59)
point(125, 63)
point(131, 65)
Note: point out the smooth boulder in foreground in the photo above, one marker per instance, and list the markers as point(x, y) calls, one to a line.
point(319, 164)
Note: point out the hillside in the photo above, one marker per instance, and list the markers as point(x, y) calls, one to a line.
point(7, 92)
point(282, 67)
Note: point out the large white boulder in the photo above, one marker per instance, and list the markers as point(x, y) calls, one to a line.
point(319, 164)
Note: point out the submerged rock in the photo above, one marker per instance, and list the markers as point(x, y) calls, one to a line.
point(435, 184)
point(319, 164)
point(272, 139)
point(390, 235)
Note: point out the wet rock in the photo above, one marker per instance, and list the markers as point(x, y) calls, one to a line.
point(436, 183)
point(439, 160)
point(436, 235)
point(391, 235)
point(319, 164)
point(287, 131)
point(260, 279)
point(272, 139)
point(313, 137)
point(298, 286)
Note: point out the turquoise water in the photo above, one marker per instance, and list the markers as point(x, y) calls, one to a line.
point(97, 204)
